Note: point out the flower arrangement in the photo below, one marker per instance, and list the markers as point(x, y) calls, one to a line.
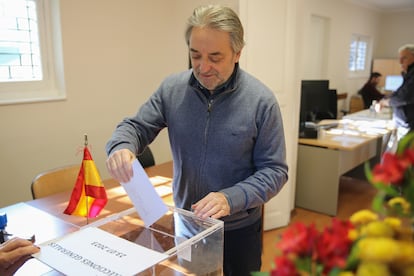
point(371, 242)
point(394, 180)
point(365, 244)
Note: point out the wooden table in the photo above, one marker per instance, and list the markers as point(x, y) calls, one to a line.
point(44, 217)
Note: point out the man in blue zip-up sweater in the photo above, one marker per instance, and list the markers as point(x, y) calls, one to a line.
point(402, 100)
point(226, 136)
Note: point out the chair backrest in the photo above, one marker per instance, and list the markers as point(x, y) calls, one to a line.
point(356, 103)
point(146, 158)
point(342, 96)
point(54, 181)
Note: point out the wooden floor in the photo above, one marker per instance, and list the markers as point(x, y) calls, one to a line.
point(354, 195)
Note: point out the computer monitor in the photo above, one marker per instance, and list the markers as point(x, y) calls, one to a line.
point(393, 82)
point(317, 102)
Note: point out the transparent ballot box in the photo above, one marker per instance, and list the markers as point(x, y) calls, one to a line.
point(188, 245)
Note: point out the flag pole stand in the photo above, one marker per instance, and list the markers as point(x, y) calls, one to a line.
point(84, 186)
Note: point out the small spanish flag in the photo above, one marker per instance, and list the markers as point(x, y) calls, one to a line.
point(88, 196)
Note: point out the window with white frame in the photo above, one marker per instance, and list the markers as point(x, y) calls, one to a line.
point(358, 53)
point(31, 67)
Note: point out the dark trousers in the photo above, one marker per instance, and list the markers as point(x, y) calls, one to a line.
point(243, 250)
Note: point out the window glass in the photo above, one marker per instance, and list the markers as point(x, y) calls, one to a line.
point(30, 43)
point(358, 53)
point(19, 43)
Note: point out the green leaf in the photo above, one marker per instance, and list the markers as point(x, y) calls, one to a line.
point(408, 190)
point(406, 142)
point(319, 269)
point(335, 272)
point(368, 171)
point(388, 189)
point(304, 264)
point(353, 260)
point(378, 203)
point(258, 273)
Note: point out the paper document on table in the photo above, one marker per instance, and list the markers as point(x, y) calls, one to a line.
point(146, 200)
point(349, 139)
point(92, 251)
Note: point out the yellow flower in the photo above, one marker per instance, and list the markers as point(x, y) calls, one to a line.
point(395, 223)
point(405, 233)
point(407, 270)
point(377, 229)
point(405, 205)
point(406, 253)
point(373, 268)
point(353, 234)
point(363, 217)
point(378, 249)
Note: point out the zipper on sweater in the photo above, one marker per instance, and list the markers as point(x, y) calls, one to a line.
point(209, 107)
point(210, 103)
point(199, 189)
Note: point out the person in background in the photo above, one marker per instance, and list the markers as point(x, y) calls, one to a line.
point(226, 135)
point(369, 91)
point(13, 254)
point(402, 100)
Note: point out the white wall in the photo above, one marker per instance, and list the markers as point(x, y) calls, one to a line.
point(395, 29)
point(388, 30)
point(344, 19)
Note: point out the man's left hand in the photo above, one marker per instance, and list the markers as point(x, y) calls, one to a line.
point(213, 205)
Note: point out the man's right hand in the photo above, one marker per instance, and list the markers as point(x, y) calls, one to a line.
point(384, 102)
point(119, 165)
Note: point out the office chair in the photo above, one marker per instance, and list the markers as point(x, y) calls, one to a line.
point(356, 103)
point(54, 181)
point(146, 158)
point(342, 96)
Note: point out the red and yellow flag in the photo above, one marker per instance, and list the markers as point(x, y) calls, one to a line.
point(88, 196)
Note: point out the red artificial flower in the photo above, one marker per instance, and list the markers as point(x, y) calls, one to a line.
point(284, 267)
point(408, 156)
point(391, 170)
point(298, 239)
point(333, 245)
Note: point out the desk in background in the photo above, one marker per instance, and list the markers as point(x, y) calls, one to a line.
point(321, 162)
point(384, 116)
point(368, 122)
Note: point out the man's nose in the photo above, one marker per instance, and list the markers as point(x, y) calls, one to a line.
point(204, 66)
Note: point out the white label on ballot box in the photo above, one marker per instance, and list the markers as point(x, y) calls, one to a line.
point(92, 251)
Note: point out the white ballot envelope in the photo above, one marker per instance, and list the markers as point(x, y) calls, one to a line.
point(143, 195)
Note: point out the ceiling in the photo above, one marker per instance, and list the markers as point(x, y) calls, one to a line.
point(387, 5)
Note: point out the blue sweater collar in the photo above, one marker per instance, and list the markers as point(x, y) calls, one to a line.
point(229, 85)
